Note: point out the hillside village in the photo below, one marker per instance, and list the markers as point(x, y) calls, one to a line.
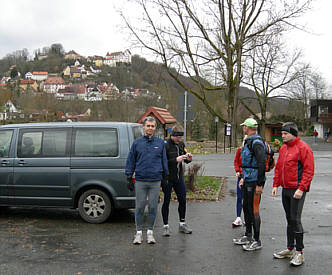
point(115, 87)
point(76, 81)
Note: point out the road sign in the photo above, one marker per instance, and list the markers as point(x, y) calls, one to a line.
point(180, 115)
point(190, 100)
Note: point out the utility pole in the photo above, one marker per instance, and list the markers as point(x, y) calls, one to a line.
point(216, 120)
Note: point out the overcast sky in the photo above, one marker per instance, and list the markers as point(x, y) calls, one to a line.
point(88, 27)
point(92, 27)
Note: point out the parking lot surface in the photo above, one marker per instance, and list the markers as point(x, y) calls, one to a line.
point(57, 241)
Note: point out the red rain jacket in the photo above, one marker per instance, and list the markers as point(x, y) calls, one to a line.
point(295, 166)
point(238, 161)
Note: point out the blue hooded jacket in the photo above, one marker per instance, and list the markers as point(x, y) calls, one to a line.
point(147, 158)
point(253, 161)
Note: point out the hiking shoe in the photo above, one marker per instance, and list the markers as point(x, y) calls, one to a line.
point(166, 232)
point(237, 222)
point(185, 229)
point(284, 254)
point(138, 239)
point(150, 238)
point(243, 240)
point(252, 246)
point(297, 259)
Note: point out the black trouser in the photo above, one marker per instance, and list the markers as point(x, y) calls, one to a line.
point(180, 190)
point(293, 209)
point(251, 202)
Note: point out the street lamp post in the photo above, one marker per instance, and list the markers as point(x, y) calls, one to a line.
point(216, 120)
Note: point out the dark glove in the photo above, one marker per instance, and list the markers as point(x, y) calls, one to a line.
point(164, 181)
point(130, 184)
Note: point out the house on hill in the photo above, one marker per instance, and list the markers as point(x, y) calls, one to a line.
point(39, 76)
point(93, 93)
point(116, 58)
point(10, 111)
point(28, 84)
point(28, 75)
point(72, 72)
point(96, 59)
point(109, 91)
point(72, 55)
point(53, 84)
point(71, 92)
point(5, 79)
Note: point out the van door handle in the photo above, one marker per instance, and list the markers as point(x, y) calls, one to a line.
point(21, 162)
point(4, 163)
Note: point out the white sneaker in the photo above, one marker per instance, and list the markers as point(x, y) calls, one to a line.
point(286, 253)
point(297, 259)
point(138, 238)
point(237, 222)
point(166, 232)
point(150, 238)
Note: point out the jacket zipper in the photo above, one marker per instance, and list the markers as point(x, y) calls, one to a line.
point(178, 164)
point(283, 168)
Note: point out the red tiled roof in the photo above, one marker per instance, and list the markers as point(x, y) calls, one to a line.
point(73, 52)
point(78, 88)
point(54, 80)
point(40, 73)
point(27, 81)
point(159, 113)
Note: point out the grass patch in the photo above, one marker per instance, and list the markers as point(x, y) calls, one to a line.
point(206, 188)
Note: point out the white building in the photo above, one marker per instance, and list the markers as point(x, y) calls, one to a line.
point(39, 76)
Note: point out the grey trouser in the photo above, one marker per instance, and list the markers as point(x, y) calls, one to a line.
point(146, 190)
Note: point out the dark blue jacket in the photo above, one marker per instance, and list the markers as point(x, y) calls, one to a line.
point(147, 158)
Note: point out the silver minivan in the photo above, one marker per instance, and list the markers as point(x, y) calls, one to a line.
point(77, 165)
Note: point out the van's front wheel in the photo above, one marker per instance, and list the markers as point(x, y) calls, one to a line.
point(94, 206)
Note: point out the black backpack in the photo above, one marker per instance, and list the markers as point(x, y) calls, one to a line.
point(269, 154)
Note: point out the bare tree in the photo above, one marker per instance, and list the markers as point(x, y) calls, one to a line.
point(318, 84)
point(206, 40)
point(270, 69)
point(309, 85)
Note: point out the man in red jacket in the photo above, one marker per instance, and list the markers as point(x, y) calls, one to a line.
point(294, 172)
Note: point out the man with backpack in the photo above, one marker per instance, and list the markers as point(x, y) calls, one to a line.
point(253, 168)
point(294, 172)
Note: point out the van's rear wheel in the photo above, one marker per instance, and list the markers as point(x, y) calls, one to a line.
point(94, 206)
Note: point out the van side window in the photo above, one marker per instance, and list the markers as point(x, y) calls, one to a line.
point(5, 140)
point(96, 143)
point(30, 144)
point(137, 131)
point(54, 143)
point(43, 143)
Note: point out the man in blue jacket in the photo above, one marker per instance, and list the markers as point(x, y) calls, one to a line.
point(147, 158)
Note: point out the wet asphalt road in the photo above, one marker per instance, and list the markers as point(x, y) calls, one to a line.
point(53, 241)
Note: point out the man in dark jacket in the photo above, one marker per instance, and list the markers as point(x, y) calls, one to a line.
point(253, 169)
point(294, 172)
point(176, 154)
point(147, 158)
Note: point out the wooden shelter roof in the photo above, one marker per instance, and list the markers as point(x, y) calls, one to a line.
point(163, 115)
